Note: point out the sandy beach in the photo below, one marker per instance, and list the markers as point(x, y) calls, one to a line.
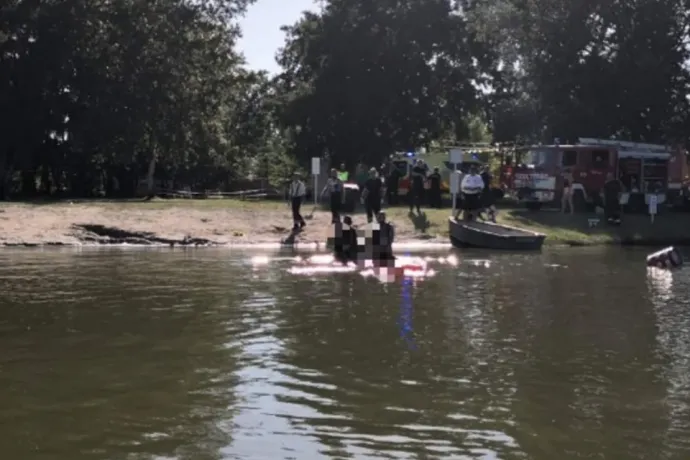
point(217, 222)
point(174, 222)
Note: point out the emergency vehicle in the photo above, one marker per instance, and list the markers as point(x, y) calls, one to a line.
point(533, 174)
point(471, 154)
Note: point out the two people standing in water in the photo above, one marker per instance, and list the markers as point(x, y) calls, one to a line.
point(378, 244)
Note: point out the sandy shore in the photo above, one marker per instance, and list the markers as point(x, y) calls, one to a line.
point(67, 224)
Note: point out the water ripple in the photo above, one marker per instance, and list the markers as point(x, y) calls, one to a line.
point(215, 355)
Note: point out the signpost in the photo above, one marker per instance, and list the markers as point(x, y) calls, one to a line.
point(456, 156)
point(455, 187)
point(315, 171)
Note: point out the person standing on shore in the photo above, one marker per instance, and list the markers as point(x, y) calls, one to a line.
point(372, 194)
point(392, 184)
point(418, 177)
point(336, 189)
point(343, 174)
point(613, 188)
point(435, 189)
point(297, 193)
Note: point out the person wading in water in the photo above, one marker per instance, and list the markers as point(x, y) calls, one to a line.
point(335, 187)
point(372, 194)
point(297, 193)
point(382, 240)
point(346, 246)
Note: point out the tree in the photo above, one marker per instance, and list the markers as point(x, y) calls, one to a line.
point(568, 69)
point(364, 79)
point(98, 93)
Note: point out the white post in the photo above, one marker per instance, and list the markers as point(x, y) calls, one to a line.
point(315, 171)
point(456, 157)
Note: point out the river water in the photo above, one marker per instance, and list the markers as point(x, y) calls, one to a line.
point(200, 355)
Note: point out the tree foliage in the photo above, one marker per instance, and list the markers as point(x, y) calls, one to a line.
point(100, 93)
point(363, 79)
point(575, 68)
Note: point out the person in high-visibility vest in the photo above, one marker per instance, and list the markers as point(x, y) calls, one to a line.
point(343, 175)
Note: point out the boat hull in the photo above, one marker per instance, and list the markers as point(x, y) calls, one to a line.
point(493, 236)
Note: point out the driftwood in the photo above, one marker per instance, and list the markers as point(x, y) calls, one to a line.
point(101, 234)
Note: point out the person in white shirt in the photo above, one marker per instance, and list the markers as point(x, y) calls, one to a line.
point(471, 188)
point(297, 193)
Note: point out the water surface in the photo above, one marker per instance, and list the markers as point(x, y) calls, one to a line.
point(200, 355)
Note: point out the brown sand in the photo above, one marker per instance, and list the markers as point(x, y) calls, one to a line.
point(148, 223)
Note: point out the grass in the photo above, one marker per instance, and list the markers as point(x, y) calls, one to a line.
point(572, 230)
point(636, 229)
point(560, 229)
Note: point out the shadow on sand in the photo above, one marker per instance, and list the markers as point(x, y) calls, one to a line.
point(420, 221)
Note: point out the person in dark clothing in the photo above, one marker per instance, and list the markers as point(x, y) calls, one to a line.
point(382, 240)
point(336, 189)
point(612, 195)
point(435, 189)
point(392, 185)
point(345, 248)
point(372, 194)
point(417, 186)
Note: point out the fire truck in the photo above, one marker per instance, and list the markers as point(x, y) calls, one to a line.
point(533, 174)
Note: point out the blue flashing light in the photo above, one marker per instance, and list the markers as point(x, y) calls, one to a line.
point(406, 313)
point(410, 154)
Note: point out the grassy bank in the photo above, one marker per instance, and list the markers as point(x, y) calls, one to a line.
point(228, 221)
point(573, 230)
point(565, 229)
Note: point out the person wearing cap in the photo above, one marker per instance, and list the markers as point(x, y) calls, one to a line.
point(372, 194)
point(297, 193)
point(471, 188)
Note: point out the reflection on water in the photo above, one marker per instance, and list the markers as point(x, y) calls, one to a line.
point(216, 355)
point(669, 292)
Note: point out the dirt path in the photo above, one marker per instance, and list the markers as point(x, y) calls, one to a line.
point(72, 224)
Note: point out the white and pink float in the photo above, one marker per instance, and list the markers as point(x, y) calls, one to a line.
point(667, 258)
